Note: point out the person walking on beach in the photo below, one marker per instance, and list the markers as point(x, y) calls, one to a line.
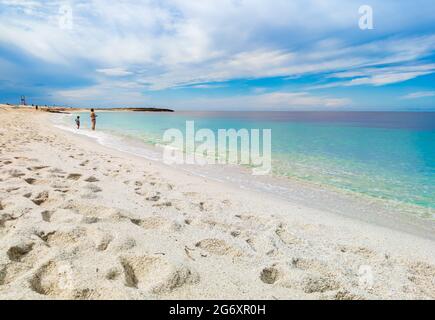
point(78, 122)
point(93, 119)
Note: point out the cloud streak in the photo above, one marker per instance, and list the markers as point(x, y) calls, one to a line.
point(418, 95)
point(274, 101)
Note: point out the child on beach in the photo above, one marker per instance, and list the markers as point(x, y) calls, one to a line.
point(93, 119)
point(78, 122)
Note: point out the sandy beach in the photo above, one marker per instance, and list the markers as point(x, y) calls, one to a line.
point(82, 221)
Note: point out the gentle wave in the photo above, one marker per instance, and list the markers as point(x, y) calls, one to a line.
point(115, 142)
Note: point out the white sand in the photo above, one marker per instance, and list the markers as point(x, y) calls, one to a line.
point(80, 221)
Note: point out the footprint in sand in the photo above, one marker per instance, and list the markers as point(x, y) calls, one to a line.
point(218, 247)
point(44, 236)
point(94, 188)
point(317, 278)
point(46, 215)
point(41, 198)
point(74, 176)
point(153, 198)
point(319, 283)
point(155, 274)
point(270, 275)
point(90, 220)
point(37, 168)
point(30, 181)
point(84, 163)
point(65, 238)
point(54, 279)
point(18, 252)
point(16, 174)
point(22, 259)
point(310, 265)
point(91, 179)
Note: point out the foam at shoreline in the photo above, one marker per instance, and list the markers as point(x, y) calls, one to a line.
point(115, 142)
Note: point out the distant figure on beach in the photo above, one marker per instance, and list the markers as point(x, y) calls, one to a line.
point(93, 119)
point(78, 122)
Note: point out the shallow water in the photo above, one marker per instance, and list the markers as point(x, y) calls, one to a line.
point(386, 155)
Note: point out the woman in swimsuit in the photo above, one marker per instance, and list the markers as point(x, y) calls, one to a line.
point(93, 119)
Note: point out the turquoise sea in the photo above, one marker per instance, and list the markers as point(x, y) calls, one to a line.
point(385, 155)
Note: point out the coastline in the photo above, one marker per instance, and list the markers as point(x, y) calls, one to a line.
point(391, 214)
point(62, 109)
point(158, 232)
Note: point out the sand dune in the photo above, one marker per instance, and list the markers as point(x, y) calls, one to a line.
point(79, 221)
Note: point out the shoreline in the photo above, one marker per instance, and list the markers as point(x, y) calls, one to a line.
point(387, 213)
point(67, 110)
point(127, 228)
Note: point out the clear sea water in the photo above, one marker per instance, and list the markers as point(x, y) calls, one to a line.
point(385, 155)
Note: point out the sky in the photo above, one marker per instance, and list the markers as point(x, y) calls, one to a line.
point(220, 54)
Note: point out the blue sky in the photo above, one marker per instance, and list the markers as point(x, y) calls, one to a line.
point(219, 54)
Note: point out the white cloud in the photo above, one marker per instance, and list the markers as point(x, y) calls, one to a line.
point(377, 76)
point(27, 6)
point(384, 79)
point(268, 101)
point(115, 72)
point(299, 99)
point(420, 94)
point(175, 42)
point(120, 93)
point(204, 86)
